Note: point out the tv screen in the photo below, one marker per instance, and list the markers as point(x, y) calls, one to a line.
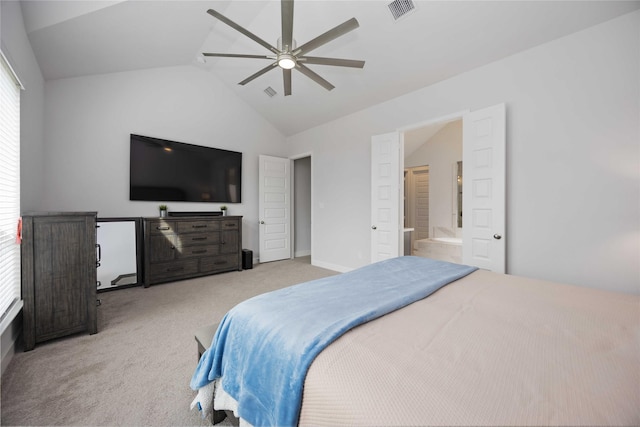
point(168, 171)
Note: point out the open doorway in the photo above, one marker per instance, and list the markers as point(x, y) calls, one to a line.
point(302, 209)
point(433, 183)
point(482, 193)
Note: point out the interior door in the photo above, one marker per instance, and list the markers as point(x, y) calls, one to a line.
point(386, 187)
point(274, 208)
point(484, 164)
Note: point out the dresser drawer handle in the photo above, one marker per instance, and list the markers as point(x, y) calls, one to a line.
point(199, 226)
point(175, 268)
point(163, 228)
point(220, 262)
point(199, 238)
point(202, 251)
point(230, 225)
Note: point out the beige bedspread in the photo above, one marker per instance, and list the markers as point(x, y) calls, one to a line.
point(489, 349)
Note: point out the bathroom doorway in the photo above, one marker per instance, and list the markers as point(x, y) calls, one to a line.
point(483, 194)
point(432, 160)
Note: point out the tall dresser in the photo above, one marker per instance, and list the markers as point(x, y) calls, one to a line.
point(58, 275)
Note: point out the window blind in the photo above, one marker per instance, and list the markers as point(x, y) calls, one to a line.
point(9, 186)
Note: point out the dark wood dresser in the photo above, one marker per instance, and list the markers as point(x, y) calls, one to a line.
point(177, 248)
point(58, 275)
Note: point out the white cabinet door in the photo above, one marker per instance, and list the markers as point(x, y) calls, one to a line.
point(385, 192)
point(274, 208)
point(483, 189)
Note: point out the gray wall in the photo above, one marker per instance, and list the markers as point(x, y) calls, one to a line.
point(88, 121)
point(16, 47)
point(573, 161)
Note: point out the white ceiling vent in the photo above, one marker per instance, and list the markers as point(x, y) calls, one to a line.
point(270, 91)
point(400, 8)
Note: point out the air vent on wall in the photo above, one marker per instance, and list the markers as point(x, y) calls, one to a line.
point(400, 8)
point(270, 91)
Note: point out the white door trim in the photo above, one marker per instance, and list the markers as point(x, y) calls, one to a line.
point(447, 118)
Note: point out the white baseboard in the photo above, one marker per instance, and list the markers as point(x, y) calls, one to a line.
point(6, 358)
point(328, 266)
point(10, 334)
point(321, 264)
point(302, 253)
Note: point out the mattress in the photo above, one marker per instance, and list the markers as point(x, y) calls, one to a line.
point(264, 346)
point(488, 349)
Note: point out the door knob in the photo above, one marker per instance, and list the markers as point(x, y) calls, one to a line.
point(497, 236)
point(373, 227)
point(261, 222)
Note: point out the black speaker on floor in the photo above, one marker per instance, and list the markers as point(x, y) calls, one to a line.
point(247, 259)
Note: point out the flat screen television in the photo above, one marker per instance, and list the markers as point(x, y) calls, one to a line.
point(170, 171)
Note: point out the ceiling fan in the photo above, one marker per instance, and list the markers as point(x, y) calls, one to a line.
point(287, 56)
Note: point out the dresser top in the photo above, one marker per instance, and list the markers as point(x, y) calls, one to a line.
point(191, 218)
point(59, 213)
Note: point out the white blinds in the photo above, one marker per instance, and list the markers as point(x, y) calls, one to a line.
point(9, 186)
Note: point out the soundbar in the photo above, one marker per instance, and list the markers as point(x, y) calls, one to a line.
point(187, 214)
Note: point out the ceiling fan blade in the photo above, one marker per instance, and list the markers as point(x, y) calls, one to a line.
point(237, 55)
point(313, 76)
point(241, 29)
point(324, 38)
point(286, 75)
point(287, 24)
point(354, 63)
point(259, 73)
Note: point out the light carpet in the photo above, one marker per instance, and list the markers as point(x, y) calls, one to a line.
point(136, 369)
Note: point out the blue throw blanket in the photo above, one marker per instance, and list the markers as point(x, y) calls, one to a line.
point(264, 346)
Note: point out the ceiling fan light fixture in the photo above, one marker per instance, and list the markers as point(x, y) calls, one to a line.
point(286, 61)
point(287, 55)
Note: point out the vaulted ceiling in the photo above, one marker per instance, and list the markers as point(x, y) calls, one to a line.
point(436, 40)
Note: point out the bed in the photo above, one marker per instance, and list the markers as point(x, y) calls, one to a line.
point(481, 349)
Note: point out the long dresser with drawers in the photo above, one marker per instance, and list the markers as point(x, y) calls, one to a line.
point(177, 248)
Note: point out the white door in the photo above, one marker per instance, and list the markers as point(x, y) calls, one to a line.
point(483, 189)
point(386, 187)
point(274, 208)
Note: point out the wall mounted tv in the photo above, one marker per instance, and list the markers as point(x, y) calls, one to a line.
point(169, 171)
